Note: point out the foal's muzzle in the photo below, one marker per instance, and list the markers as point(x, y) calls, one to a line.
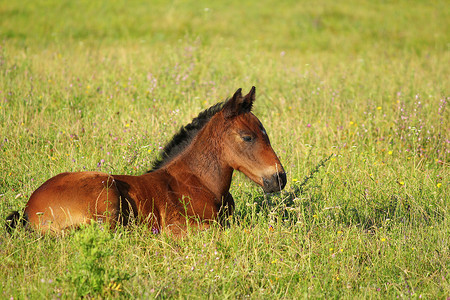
point(275, 183)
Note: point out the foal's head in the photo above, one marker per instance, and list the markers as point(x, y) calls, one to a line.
point(246, 146)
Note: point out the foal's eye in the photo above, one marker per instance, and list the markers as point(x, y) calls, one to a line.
point(247, 138)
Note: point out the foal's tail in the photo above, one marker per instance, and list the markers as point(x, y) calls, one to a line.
point(13, 219)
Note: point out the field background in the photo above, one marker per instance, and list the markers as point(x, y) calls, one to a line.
point(353, 94)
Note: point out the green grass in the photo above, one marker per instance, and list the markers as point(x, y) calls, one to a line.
point(354, 96)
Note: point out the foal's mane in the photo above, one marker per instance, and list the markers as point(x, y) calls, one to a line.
point(184, 136)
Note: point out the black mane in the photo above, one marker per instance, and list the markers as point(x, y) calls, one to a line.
point(184, 136)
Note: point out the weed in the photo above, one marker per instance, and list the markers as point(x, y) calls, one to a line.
point(91, 271)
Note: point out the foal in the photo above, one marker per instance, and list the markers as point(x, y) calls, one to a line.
point(188, 186)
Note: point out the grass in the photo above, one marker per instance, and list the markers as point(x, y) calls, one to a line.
point(354, 97)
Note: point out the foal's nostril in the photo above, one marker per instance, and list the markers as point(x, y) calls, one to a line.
point(275, 183)
point(281, 179)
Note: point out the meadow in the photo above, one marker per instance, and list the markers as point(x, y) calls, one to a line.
point(354, 97)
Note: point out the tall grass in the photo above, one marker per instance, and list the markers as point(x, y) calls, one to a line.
point(354, 97)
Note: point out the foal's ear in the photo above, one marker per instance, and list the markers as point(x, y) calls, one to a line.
point(238, 105)
point(249, 98)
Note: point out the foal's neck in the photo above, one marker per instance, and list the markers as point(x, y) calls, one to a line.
point(203, 159)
